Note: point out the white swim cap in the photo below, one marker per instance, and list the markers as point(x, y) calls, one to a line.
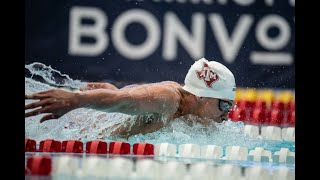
point(210, 79)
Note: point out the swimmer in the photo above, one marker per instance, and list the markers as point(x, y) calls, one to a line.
point(208, 93)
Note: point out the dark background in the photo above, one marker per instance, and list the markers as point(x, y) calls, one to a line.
point(47, 40)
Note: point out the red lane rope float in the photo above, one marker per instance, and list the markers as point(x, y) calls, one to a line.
point(72, 146)
point(292, 118)
point(39, 165)
point(50, 145)
point(119, 147)
point(277, 104)
point(260, 104)
point(30, 145)
point(143, 149)
point(239, 114)
point(276, 117)
point(259, 116)
point(291, 106)
point(97, 147)
point(245, 104)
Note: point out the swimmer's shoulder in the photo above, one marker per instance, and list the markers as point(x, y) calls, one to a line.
point(171, 84)
point(162, 87)
point(162, 83)
point(166, 87)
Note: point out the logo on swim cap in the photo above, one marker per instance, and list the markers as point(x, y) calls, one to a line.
point(207, 75)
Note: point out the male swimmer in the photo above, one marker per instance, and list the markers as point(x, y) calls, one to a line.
point(208, 93)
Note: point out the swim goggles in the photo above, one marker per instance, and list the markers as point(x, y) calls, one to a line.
point(225, 106)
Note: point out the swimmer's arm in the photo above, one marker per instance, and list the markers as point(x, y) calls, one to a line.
point(142, 99)
point(98, 85)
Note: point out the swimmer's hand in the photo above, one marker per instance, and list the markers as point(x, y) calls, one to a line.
point(57, 102)
point(97, 85)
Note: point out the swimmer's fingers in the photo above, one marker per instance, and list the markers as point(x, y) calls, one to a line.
point(40, 95)
point(37, 111)
point(37, 104)
point(49, 117)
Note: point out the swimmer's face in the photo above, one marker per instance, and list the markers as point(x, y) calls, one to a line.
point(215, 109)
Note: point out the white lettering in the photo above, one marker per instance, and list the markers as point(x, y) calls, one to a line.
point(191, 38)
point(78, 30)
point(205, 1)
point(203, 74)
point(230, 46)
point(271, 58)
point(207, 77)
point(269, 2)
point(220, 2)
point(292, 2)
point(175, 31)
point(274, 43)
point(223, 2)
point(244, 2)
point(128, 50)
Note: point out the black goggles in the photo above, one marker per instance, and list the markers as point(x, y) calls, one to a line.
point(225, 106)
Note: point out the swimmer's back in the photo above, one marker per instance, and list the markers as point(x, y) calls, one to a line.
point(171, 84)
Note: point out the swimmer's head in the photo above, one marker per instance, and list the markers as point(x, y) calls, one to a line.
point(210, 79)
point(214, 87)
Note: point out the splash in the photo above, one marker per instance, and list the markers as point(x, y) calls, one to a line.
point(88, 124)
point(53, 77)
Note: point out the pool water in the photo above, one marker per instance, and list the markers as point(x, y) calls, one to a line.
point(87, 124)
